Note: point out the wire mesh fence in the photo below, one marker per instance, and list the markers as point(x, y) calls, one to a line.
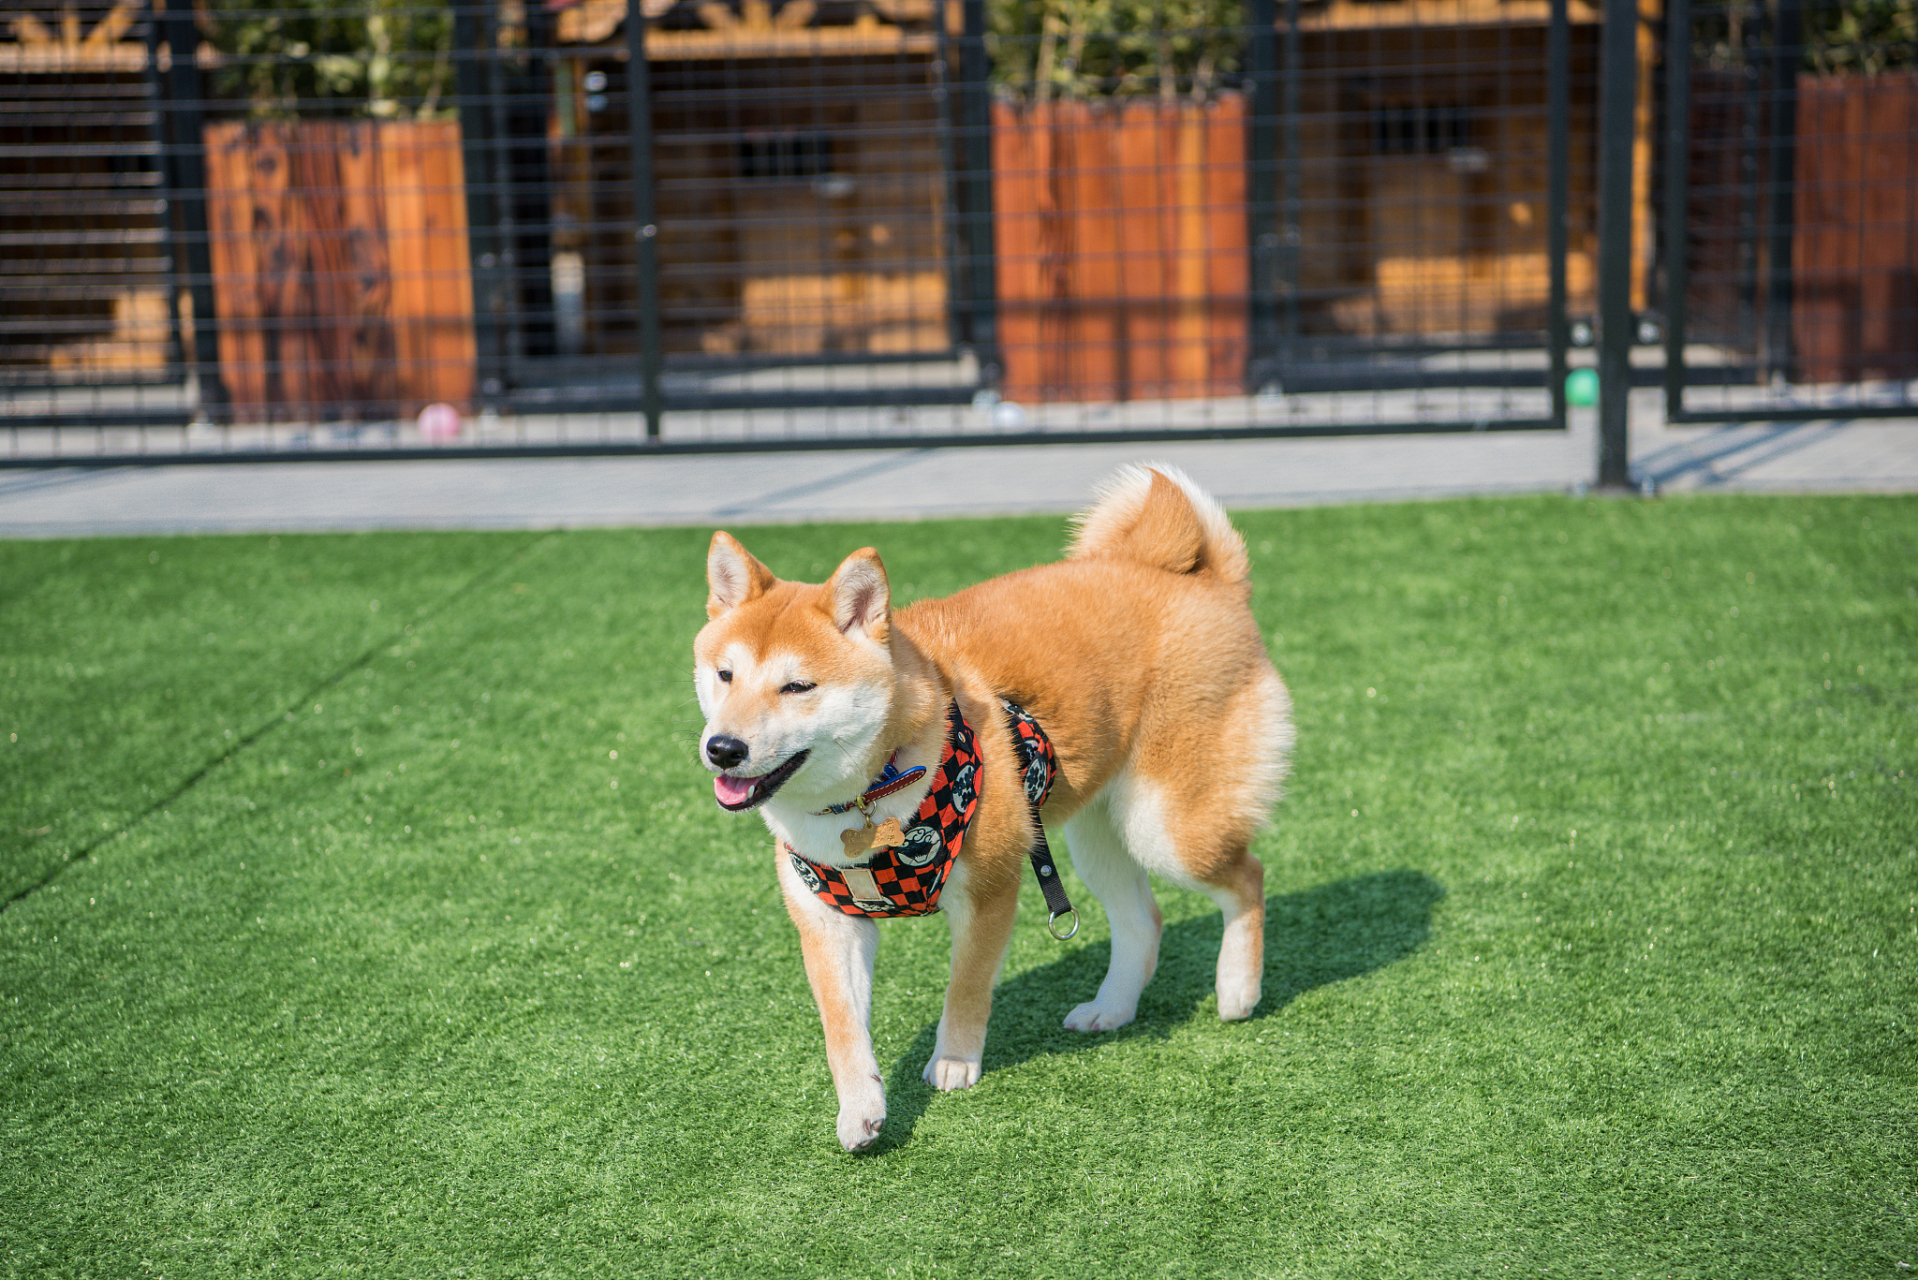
point(392, 228)
point(1792, 209)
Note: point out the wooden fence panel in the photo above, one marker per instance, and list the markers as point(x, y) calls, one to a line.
point(1122, 256)
point(423, 176)
point(1855, 245)
point(340, 267)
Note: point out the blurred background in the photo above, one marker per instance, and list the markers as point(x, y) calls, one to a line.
point(578, 226)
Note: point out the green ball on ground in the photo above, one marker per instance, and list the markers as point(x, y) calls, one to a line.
point(1581, 387)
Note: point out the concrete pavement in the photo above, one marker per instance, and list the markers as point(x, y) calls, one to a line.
point(740, 489)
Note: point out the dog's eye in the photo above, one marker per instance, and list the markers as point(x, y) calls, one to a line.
point(798, 686)
point(725, 677)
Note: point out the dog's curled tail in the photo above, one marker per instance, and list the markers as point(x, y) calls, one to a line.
point(1154, 514)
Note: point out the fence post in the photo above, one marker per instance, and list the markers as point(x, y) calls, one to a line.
point(1618, 77)
point(1262, 189)
point(639, 129)
point(527, 105)
point(1678, 177)
point(1558, 125)
point(975, 143)
point(482, 226)
point(1291, 233)
point(186, 168)
point(1775, 357)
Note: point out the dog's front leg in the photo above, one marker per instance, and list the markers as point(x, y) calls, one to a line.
point(981, 928)
point(839, 951)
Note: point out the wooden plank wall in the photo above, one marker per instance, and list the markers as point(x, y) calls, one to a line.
point(1855, 244)
point(1121, 241)
point(341, 281)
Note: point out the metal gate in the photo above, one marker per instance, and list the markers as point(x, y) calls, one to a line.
point(1791, 212)
point(627, 226)
point(720, 212)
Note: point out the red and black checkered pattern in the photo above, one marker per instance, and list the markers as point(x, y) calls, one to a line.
point(1039, 764)
point(911, 874)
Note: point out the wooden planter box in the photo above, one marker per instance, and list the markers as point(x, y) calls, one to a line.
point(340, 272)
point(1120, 230)
point(1855, 242)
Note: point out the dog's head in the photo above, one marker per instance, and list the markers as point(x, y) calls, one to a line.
point(795, 679)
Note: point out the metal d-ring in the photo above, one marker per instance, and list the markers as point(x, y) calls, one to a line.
point(1052, 923)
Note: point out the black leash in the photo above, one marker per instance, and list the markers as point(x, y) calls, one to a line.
point(1041, 765)
point(1057, 904)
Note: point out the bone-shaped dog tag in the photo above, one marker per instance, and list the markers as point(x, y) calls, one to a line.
point(858, 839)
point(887, 835)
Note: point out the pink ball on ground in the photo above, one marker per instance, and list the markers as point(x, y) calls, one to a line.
point(439, 421)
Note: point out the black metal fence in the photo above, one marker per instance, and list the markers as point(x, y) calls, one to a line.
point(1791, 210)
point(604, 226)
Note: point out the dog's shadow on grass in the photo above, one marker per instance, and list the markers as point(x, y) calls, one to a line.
point(1313, 938)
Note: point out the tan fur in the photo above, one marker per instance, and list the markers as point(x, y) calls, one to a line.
point(1140, 658)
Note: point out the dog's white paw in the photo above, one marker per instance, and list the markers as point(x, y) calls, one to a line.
point(861, 1116)
point(947, 1072)
point(1093, 1016)
point(1238, 1004)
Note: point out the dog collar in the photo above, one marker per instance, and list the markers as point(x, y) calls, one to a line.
point(906, 879)
point(889, 780)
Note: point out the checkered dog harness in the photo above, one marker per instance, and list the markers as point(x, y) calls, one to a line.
point(911, 874)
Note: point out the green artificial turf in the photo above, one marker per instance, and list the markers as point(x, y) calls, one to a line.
point(1592, 942)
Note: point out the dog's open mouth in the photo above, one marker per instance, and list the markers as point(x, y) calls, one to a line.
point(737, 794)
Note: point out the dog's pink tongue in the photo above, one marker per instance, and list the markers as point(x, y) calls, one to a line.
point(732, 790)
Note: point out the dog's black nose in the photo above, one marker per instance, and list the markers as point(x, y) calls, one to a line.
point(727, 752)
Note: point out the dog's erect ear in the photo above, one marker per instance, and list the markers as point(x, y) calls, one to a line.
point(733, 576)
point(861, 598)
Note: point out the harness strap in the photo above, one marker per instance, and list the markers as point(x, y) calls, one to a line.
point(1041, 766)
point(1057, 904)
point(906, 880)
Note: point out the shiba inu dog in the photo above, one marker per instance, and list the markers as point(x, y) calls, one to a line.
point(899, 757)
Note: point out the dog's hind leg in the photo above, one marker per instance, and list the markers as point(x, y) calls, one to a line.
point(1238, 886)
point(1221, 861)
point(1191, 840)
point(1117, 880)
point(1195, 827)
